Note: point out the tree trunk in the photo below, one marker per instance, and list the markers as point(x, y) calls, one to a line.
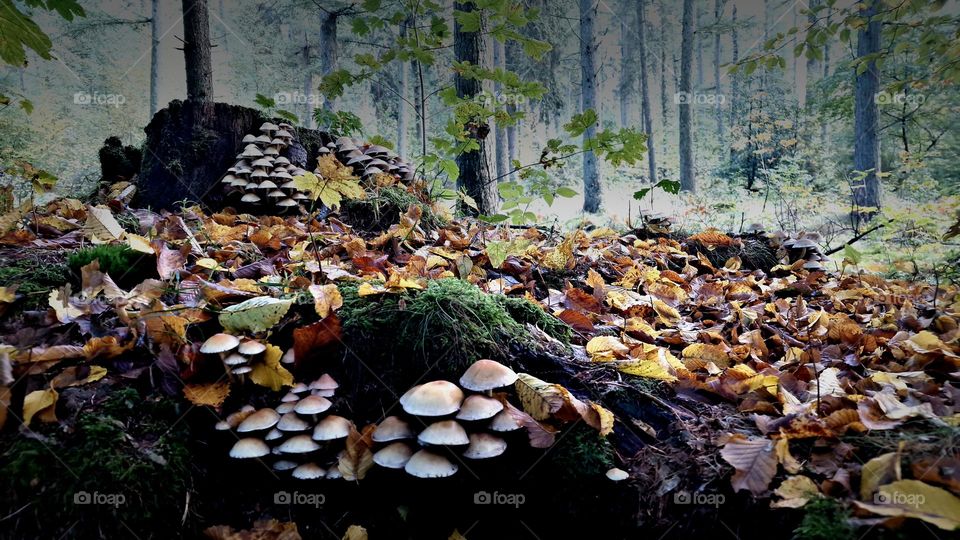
point(866, 150)
point(500, 134)
point(735, 78)
point(826, 73)
point(474, 165)
point(511, 54)
point(328, 51)
point(644, 89)
point(402, 99)
point(698, 35)
point(154, 55)
point(811, 61)
point(196, 51)
point(588, 88)
point(664, 99)
point(717, 87)
point(307, 84)
point(626, 76)
point(688, 182)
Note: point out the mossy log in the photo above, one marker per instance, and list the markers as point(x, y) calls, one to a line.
point(189, 146)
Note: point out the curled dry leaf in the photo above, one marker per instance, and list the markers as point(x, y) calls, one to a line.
point(212, 395)
point(754, 460)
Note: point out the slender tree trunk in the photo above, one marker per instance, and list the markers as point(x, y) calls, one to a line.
point(223, 17)
point(664, 99)
point(644, 89)
point(735, 78)
point(588, 87)
point(196, 51)
point(402, 99)
point(626, 76)
point(307, 84)
point(688, 182)
point(329, 48)
point(698, 35)
point(500, 134)
point(511, 55)
point(717, 87)
point(826, 73)
point(866, 150)
point(154, 55)
point(811, 61)
point(474, 166)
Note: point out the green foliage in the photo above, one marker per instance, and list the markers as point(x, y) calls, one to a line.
point(382, 207)
point(582, 454)
point(126, 266)
point(670, 186)
point(36, 275)
point(129, 451)
point(534, 185)
point(269, 107)
point(824, 519)
point(339, 123)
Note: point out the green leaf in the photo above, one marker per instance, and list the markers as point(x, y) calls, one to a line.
point(566, 192)
point(18, 32)
point(851, 255)
point(254, 315)
point(264, 101)
point(26, 105)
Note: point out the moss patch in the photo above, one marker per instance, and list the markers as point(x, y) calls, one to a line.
point(123, 468)
point(36, 275)
point(382, 208)
point(582, 454)
point(824, 519)
point(126, 266)
point(444, 327)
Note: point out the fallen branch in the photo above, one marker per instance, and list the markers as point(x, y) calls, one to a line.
point(858, 237)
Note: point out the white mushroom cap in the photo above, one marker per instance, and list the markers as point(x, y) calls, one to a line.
point(282, 160)
point(325, 382)
point(273, 435)
point(333, 473)
point(435, 398)
point(309, 471)
point(288, 357)
point(427, 464)
point(268, 127)
point(235, 359)
point(222, 425)
point(248, 138)
point(313, 405)
point(393, 456)
point(250, 198)
point(286, 407)
point(299, 388)
point(391, 429)
point(504, 421)
point(277, 194)
point(284, 465)
point(479, 407)
point(485, 375)
point(287, 203)
point(484, 445)
point(263, 139)
point(617, 475)
point(292, 422)
point(249, 448)
point(251, 347)
point(290, 397)
point(219, 343)
point(233, 419)
point(444, 433)
point(268, 184)
point(331, 428)
point(260, 420)
point(299, 444)
point(242, 370)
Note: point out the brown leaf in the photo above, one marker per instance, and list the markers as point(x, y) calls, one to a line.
point(212, 394)
point(578, 321)
point(754, 460)
point(357, 458)
point(311, 340)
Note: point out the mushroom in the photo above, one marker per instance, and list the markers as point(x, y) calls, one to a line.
point(427, 464)
point(248, 138)
point(485, 375)
point(219, 343)
point(268, 127)
point(235, 359)
point(299, 444)
point(299, 388)
point(309, 471)
point(260, 420)
point(617, 475)
point(324, 384)
point(333, 473)
point(312, 405)
point(391, 429)
point(250, 198)
point(287, 407)
point(484, 446)
point(251, 347)
point(249, 448)
point(291, 422)
point(444, 433)
point(273, 435)
point(478, 407)
point(393, 456)
point(288, 357)
point(242, 370)
point(285, 465)
point(504, 421)
point(436, 398)
point(331, 428)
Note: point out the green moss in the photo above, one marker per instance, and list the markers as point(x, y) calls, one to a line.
point(824, 519)
point(35, 278)
point(129, 456)
point(126, 266)
point(582, 453)
point(445, 327)
point(526, 312)
point(382, 208)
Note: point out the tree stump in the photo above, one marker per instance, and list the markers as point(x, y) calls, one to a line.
point(189, 147)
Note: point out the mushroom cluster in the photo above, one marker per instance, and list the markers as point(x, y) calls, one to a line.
point(466, 424)
point(298, 434)
point(238, 355)
point(368, 160)
point(804, 248)
point(262, 176)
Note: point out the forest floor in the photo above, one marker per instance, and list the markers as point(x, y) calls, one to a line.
point(736, 387)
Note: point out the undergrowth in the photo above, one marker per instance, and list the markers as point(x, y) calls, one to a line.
point(382, 208)
point(126, 266)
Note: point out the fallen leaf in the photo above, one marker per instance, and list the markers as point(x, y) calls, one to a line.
point(326, 299)
point(212, 394)
point(915, 499)
point(357, 458)
point(269, 373)
point(42, 404)
point(754, 460)
point(254, 315)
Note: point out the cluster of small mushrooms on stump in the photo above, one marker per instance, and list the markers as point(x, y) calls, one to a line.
point(262, 175)
point(368, 160)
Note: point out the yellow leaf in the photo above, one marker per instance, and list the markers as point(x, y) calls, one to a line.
point(600, 418)
point(606, 348)
point(668, 315)
point(101, 225)
point(334, 182)
point(915, 499)
point(139, 243)
point(254, 315)
point(59, 300)
point(269, 372)
point(357, 458)
point(795, 492)
point(368, 289)
point(646, 368)
point(326, 299)
point(878, 471)
point(69, 376)
point(355, 532)
point(212, 395)
point(8, 294)
point(42, 403)
point(538, 398)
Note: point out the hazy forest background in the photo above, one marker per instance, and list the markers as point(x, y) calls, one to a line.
point(751, 105)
